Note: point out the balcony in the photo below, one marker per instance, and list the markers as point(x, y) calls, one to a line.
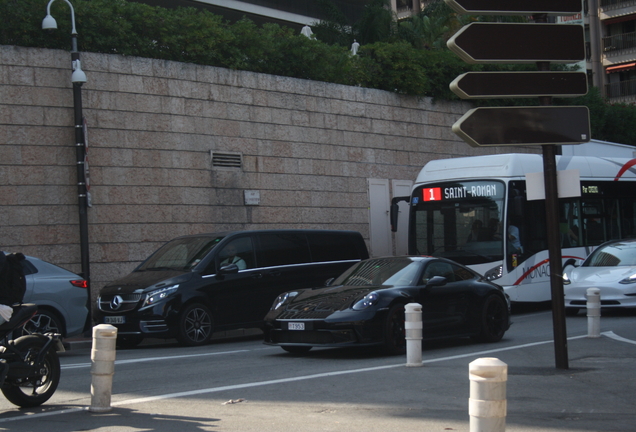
point(620, 44)
point(624, 91)
point(616, 4)
point(615, 9)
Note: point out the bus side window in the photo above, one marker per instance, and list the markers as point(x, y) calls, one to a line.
point(593, 230)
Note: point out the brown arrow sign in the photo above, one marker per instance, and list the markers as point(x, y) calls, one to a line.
point(516, 7)
point(482, 85)
point(519, 43)
point(500, 126)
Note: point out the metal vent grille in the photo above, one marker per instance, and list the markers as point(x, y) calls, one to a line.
point(227, 160)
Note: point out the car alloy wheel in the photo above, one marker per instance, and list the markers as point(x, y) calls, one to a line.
point(43, 322)
point(394, 330)
point(195, 325)
point(494, 319)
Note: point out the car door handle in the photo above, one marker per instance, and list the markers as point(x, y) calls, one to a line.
point(274, 273)
point(257, 275)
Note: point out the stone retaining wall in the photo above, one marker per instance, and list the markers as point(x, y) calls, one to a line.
point(308, 148)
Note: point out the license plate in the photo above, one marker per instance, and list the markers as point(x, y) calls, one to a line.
point(295, 326)
point(114, 320)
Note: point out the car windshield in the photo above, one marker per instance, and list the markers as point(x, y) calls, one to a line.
point(380, 272)
point(612, 255)
point(180, 254)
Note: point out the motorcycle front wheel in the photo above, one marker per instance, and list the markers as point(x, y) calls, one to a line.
point(35, 387)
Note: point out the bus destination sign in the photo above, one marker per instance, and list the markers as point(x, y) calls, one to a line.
point(461, 191)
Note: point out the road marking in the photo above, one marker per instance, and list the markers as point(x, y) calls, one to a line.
point(612, 335)
point(150, 359)
point(29, 416)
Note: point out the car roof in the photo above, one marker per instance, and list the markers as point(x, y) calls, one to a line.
point(266, 231)
point(613, 242)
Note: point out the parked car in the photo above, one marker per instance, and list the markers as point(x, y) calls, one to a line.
point(611, 268)
point(61, 297)
point(365, 306)
point(195, 285)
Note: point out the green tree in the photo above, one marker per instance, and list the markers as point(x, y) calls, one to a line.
point(336, 28)
point(377, 24)
point(396, 67)
point(424, 32)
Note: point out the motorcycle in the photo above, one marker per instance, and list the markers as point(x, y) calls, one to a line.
point(29, 365)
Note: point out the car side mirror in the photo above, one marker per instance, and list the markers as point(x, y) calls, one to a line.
point(569, 262)
point(437, 281)
point(328, 282)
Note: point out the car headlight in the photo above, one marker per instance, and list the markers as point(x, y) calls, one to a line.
point(629, 280)
point(368, 300)
point(282, 299)
point(494, 273)
point(566, 279)
point(157, 295)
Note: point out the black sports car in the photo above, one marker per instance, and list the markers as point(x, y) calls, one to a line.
point(365, 306)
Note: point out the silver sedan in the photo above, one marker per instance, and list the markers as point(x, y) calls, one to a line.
point(61, 297)
point(611, 268)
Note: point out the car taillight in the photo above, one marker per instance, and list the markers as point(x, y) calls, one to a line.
point(80, 283)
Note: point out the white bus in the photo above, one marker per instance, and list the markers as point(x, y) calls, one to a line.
point(474, 210)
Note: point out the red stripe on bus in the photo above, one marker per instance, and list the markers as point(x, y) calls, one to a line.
point(625, 167)
point(531, 269)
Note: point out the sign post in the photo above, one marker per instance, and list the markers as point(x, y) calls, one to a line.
point(488, 85)
point(498, 126)
point(539, 43)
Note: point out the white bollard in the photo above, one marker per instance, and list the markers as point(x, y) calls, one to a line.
point(413, 328)
point(102, 366)
point(487, 403)
point(593, 296)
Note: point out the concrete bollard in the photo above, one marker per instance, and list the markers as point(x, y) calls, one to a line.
point(593, 296)
point(413, 328)
point(487, 403)
point(102, 366)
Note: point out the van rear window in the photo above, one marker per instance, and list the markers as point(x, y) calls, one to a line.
point(283, 249)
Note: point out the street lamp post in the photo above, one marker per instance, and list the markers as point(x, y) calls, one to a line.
point(78, 77)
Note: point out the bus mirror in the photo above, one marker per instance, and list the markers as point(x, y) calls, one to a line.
point(395, 211)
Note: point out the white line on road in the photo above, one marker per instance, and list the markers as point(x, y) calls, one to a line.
point(292, 379)
point(612, 335)
point(150, 359)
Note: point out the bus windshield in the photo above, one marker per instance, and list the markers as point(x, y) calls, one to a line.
point(460, 220)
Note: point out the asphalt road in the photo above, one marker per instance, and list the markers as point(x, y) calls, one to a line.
point(242, 385)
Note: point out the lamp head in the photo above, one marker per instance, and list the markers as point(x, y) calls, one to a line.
point(78, 76)
point(49, 23)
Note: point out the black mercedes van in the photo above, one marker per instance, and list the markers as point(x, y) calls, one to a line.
point(198, 284)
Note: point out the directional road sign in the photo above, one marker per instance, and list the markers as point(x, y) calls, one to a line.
point(480, 85)
point(519, 43)
point(501, 126)
point(516, 7)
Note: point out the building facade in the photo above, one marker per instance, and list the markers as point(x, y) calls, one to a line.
point(610, 32)
point(613, 61)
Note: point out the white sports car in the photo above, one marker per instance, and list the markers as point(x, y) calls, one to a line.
point(611, 268)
